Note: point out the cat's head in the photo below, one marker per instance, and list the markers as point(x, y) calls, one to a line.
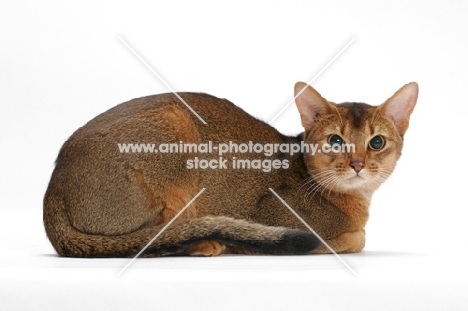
point(369, 138)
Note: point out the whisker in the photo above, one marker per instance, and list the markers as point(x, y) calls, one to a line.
point(320, 185)
point(332, 186)
point(315, 183)
point(373, 117)
point(339, 116)
point(313, 180)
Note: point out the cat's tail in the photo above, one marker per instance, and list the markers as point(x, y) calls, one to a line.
point(175, 239)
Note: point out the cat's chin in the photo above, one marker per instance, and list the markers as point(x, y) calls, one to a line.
point(358, 182)
point(355, 182)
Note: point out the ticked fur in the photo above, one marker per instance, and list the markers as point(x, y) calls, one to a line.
point(103, 203)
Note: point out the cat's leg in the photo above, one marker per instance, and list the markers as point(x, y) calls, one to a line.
point(348, 242)
point(162, 175)
point(206, 248)
point(170, 181)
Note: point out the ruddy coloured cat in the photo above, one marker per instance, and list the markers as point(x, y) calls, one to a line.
point(101, 202)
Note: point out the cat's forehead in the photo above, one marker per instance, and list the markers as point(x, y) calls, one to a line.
point(355, 121)
point(356, 114)
point(360, 120)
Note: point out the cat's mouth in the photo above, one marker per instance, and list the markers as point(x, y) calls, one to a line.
point(355, 180)
point(351, 174)
point(357, 176)
point(347, 180)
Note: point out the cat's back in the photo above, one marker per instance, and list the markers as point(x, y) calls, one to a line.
point(222, 119)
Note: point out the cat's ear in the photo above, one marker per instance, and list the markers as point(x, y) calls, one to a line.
point(310, 104)
point(400, 106)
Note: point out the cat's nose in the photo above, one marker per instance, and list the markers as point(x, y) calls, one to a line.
point(357, 165)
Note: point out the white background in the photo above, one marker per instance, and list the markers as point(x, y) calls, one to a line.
point(62, 63)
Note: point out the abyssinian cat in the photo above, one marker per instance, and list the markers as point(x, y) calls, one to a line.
point(105, 202)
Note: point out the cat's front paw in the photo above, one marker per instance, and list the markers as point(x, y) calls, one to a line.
point(207, 249)
point(348, 242)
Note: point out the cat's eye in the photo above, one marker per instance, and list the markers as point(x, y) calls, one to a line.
point(377, 143)
point(335, 140)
